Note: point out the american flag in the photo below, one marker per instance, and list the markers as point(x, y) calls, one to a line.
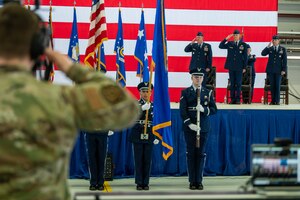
point(97, 32)
point(215, 19)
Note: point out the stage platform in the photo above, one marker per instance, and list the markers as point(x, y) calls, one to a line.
point(233, 130)
point(253, 106)
point(221, 187)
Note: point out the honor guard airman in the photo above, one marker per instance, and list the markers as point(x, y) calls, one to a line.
point(196, 100)
point(201, 55)
point(276, 67)
point(236, 63)
point(97, 148)
point(143, 139)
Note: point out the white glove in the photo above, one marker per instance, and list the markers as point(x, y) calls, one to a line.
point(200, 108)
point(146, 106)
point(194, 127)
point(110, 133)
point(156, 141)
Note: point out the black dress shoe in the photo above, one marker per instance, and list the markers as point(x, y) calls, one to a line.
point(237, 102)
point(200, 186)
point(232, 102)
point(100, 187)
point(146, 187)
point(93, 187)
point(272, 103)
point(139, 187)
point(193, 187)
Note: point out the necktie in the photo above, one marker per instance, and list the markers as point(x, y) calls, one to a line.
point(236, 43)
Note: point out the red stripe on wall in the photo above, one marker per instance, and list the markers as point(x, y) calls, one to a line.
point(174, 32)
point(201, 4)
point(270, 5)
point(176, 64)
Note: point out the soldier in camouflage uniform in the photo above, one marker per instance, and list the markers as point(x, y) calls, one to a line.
point(39, 121)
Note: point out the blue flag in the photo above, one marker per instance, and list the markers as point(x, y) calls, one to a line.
point(140, 52)
point(101, 65)
point(162, 109)
point(119, 50)
point(73, 52)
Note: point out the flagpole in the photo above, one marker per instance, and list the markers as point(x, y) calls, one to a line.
point(140, 78)
point(149, 90)
point(149, 95)
point(163, 34)
point(141, 74)
point(49, 64)
point(99, 58)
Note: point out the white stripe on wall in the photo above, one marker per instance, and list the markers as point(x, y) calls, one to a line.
point(173, 16)
point(176, 79)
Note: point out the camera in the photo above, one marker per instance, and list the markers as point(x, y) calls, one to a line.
point(275, 164)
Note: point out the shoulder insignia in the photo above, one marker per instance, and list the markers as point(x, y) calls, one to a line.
point(112, 94)
point(93, 97)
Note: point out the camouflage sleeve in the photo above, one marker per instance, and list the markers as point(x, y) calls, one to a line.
point(99, 103)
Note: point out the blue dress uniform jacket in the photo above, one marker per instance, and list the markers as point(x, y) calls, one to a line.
point(142, 148)
point(188, 101)
point(236, 55)
point(196, 156)
point(277, 61)
point(201, 56)
point(138, 128)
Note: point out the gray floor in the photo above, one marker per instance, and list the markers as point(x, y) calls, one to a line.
point(223, 187)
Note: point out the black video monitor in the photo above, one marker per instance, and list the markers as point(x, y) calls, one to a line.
point(275, 166)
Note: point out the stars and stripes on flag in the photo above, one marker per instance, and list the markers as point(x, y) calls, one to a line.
point(215, 19)
point(119, 51)
point(140, 52)
point(73, 52)
point(97, 31)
